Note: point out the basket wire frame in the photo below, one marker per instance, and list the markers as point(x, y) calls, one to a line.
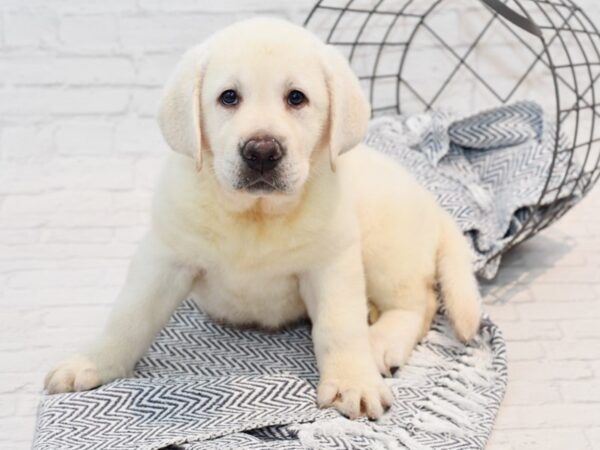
point(566, 57)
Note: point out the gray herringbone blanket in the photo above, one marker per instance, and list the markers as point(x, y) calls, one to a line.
point(206, 386)
point(488, 170)
point(203, 385)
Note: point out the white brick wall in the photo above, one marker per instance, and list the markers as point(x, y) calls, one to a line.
point(79, 151)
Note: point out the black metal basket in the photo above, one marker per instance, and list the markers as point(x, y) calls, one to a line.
point(414, 55)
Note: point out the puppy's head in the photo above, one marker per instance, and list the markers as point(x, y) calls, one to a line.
point(264, 98)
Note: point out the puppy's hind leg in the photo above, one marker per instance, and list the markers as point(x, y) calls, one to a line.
point(402, 323)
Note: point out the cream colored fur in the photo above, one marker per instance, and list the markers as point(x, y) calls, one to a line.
point(321, 246)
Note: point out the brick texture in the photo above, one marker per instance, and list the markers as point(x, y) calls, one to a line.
point(79, 154)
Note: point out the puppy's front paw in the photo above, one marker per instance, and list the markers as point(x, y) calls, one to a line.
point(355, 395)
point(78, 373)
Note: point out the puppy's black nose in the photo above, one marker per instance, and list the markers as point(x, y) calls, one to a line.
point(262, 154)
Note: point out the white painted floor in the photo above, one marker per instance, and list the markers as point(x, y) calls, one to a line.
point(546, 300)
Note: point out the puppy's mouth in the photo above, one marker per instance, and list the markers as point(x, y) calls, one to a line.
point(261, 185)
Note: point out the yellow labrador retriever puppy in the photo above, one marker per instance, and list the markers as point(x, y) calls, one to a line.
point(258, 219)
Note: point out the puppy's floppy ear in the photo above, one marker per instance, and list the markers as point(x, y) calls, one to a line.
point(349, 109)
point(179, 114)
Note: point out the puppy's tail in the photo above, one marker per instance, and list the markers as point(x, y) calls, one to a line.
point(458, 285)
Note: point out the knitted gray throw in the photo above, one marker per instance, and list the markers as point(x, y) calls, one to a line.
point(205, 386)
point(488, 170)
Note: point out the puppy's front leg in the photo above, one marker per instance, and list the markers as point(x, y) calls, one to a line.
point(155, 285)
point(335, 298)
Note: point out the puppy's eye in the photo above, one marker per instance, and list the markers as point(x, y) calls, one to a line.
point(296, 98)
point(229, 98)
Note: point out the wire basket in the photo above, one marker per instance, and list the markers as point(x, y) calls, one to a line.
point(415, 55)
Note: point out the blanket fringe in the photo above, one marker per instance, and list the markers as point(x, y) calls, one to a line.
point(451, 406)
point(379, 438)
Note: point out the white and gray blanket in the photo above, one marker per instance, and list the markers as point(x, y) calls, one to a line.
point(205, 386)
point(488, 170)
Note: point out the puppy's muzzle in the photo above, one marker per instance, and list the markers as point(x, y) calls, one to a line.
point(262, 154)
